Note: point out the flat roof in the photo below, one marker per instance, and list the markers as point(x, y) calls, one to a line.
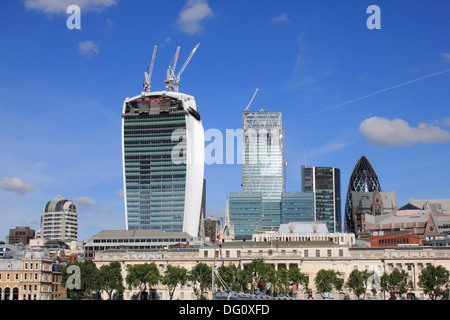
point(116, 234)
point(260, 244)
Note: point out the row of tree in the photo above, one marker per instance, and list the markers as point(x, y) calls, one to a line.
point(434, 281)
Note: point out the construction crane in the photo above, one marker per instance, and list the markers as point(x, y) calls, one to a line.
point(171, 69)
point(172, 82)
point(251, 99)
point(148, 75)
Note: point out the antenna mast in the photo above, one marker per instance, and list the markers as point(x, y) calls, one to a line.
point(149, 75)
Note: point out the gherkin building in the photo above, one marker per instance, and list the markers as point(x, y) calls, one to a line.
point(363, 179)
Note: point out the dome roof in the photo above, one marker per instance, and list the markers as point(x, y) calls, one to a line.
point(59, 204)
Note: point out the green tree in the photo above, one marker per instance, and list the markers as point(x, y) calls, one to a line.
point(201, 278)
point(299, 278)
point(244, 278)
point(89, 280)
point(396, 281)
point(435, 281)
point(258, 269)
point(366, 275)
point(355, 283)
point(230, 275)
point(141, 275)
point(281, 283)
point(174, 276)
point(384, 283)
point(110, 279)
point(326, 280)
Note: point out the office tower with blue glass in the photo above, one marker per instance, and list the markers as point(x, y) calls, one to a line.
point(325, 184)
point(258, 206)
point(163, 158)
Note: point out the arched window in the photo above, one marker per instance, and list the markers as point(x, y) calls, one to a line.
point(377, 210)
point(15, 295)
point(7, 293)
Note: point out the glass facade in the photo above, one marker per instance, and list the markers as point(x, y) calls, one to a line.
point(250, 213)
point(262, 169)
point(362, 179)
point(245, 213)
point(297, 207)
point(154, 185)
point(325, 183)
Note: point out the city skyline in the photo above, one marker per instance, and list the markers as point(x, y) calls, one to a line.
point(344, 91)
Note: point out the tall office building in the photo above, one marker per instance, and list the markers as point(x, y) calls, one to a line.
point(297, 207)
point(325, 183)
point(362, 179)
point(163, 154)
point(59, 220)
point(258, 206)
point(163, 157)
point(263, 165)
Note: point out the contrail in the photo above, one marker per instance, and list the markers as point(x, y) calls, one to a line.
point(380, 91)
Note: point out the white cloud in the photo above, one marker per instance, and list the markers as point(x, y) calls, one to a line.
point(87, 48)
point(445, 56)
point(329, 147)
point(120, 193)
point(192, 15)
point(397, 132)
point(60, 6)
point(281, 18)
point(16, 185)
point(85, 202)
point(106, 210)
point(446, 122)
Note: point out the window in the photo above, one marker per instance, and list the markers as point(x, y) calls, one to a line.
point(317, 253)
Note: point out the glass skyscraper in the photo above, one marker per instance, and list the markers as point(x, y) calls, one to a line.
point(262, 169)
point(297, 207)
point(163, 155)
point(325, 183)
point(259, 206)
point(363, 179)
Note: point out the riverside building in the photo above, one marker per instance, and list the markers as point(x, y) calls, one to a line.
point(309, 257)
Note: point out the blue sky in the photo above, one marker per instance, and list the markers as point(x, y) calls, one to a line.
point(344, 91)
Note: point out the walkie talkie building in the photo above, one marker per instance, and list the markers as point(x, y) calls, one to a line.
point(163, 162)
